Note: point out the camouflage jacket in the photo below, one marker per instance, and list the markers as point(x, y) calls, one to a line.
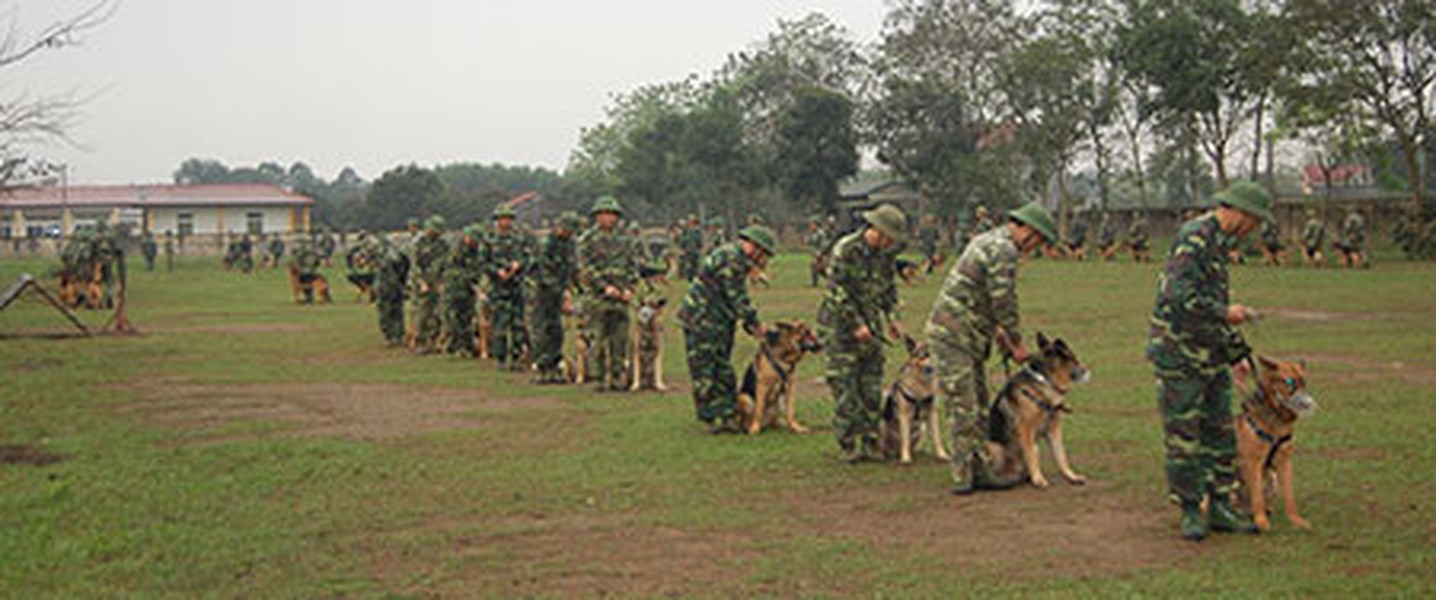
point(719, 293)
point(393, 269)
point(927, 238)
point(979, 294)
point(1106, 232)
point(1137, 231)
point(276, 247)
point(325, 245)
point(1270, 235)
point(861, 288)
point(503, 249)
point(306, 260)
point(149, 249)
point(463, 267)
point(1354, 230)
point(1077, 233)
point(1314, 233)
point(1189, 334)
point(554, 265)
point(607, 258)
point(691, 241)
point(427, 261)
point(820, 241)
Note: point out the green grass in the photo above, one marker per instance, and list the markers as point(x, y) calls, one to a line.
point(590, 494)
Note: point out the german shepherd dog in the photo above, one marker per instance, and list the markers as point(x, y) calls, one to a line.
point(309, 291)
point(767, 388)
point(484, 327)
point(1264, 434)
point(1031, 405)
point(909, 411)
point(647, 368)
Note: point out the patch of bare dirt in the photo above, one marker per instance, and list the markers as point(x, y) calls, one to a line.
point(1366, 369)
point(596, 556)
point(25, 454)
point(1026, 532)
point(357, 411)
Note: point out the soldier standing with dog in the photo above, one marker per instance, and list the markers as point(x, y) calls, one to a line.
point(462, 271)
point(553, 277)
point(716, 301)
point(1191, 344)
point(608, 264)
point(691, 244)
point(391, 280)
point(860, 303)
point(427, 281)
point(977, 306)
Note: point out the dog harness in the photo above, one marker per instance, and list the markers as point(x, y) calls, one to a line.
point(1275, 442)
point(783, 375)
point(1040, 399)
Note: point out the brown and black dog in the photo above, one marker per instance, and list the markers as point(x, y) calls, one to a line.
point(910, 402)
point(1264, 434)
point(1030, 405)
point(647, 368)
point(767, 389)
point(315, 289)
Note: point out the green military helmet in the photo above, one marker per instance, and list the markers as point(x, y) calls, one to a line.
point(1248, 197)
point(570, 220)
point(762, 236)
point(692, 218)
point(504, 210)
point(1036, 216)
point(716, 222)
point(888, 219)
point(435, 223)
point(606, 204)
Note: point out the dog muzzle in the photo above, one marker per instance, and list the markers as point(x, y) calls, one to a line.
point(645, 314)
point(1081, 375)
point(1300, 403)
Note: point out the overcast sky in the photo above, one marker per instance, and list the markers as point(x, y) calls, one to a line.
point(372, 83)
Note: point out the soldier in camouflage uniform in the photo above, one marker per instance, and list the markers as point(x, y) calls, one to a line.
point(1313, 237)
point(817, 242)
point(1191, 344)
point(1271, 245)
point(1106, 237)
point(554, 272)
point(981, 222)
point(860, 303)
point(325, 246)
point(169, 251)
point(426, 283)
point(275, 250)
point(507, 253)
point(1077, 236)
point(1137, 237)
point(608, 273)
point(463, 267)
point(306, 264)
point(244, 254)
point(1353, 239)
point(392, 279)
point(149, 250)
point(927, 242)
point(716, 301)
point(717, 233)
point(977, 306)
point(691, 243)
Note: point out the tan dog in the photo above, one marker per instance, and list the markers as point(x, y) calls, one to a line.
point(317, 288)
point(1030, 405)
point(484, 327)
point(767, 388)
point(1264, 434)
point(647, 368)
point(910, 401)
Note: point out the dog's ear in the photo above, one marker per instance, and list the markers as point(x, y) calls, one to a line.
point(1042, 342)
point(1267, 364)
point(662, 302)
point(910, 343)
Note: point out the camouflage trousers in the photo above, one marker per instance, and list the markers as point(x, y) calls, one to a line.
point(855, 375)
point(426, 319)
point(708, 344)
point(511, 335)
point(547, 322)
point(1199, 435)
point(611, 324)
point(460, 311)
point(962, 390)
point(816, 267)
point(391, 312)
point(688, 265)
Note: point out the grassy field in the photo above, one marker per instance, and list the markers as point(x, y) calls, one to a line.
point(243, 446)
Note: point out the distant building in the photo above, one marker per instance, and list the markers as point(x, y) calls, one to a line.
point(184, 209)
point(1315, 178)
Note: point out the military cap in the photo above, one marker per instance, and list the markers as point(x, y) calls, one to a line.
point(760, 235)
point(503, 210)
point(570, 220)
point(1036, 216)
point(1248, 197)
point(888, 219)
point(716, 222)
point(607, 204)
point(435, 222)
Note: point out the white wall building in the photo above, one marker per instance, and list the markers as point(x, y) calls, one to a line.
point(183, 209)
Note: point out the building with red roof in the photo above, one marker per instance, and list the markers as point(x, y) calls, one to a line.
point(183, 209)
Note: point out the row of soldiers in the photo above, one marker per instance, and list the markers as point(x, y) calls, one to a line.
point(525, 283)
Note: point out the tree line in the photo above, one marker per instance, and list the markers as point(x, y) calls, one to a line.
point(1124, 102)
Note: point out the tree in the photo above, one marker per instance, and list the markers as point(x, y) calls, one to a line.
point(27, 121)
point(196, 171)
point(1047, 100)
point(1192, 54)
point(1380, 56)
point(817, 147)
point(400, 194)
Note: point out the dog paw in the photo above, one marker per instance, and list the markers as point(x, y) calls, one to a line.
point(800, 429)
point(1299, 522)
point(1039, 482)
point(1076, 479)
point(1262, 522)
